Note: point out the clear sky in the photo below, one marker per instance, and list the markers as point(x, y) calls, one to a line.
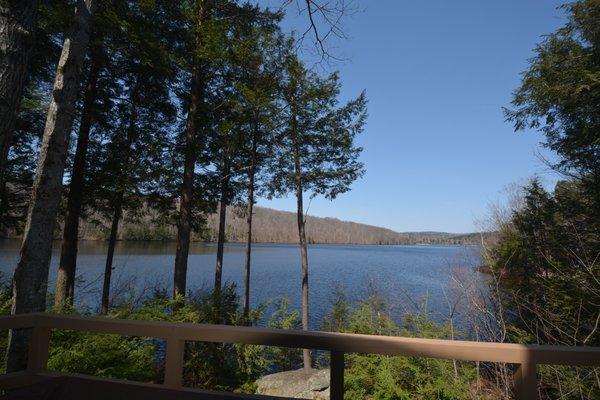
point(436, 148)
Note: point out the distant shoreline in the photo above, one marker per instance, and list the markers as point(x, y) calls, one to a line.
point(169, 241)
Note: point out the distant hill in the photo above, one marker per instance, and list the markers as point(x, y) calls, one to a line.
point(274, 226)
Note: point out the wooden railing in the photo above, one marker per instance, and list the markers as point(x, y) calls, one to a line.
point(525, 357)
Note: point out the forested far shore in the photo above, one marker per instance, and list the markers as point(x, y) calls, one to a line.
point(269, 226)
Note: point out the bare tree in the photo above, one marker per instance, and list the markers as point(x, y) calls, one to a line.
point(325, 22)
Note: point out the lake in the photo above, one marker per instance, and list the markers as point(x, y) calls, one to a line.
point(408, 276)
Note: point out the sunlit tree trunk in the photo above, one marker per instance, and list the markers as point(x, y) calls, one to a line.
point(17, 35)
point(221, 237)
point(249, 212)
point(65, 279)
point(30, 280)
point(302, 239)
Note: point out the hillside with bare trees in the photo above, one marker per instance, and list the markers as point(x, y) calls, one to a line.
point(273, 226)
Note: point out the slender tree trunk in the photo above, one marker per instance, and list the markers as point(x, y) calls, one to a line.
point(185, 206)
point(303, 244)
point(221, 238)
point(30, 280)
point(65, 279)
point(17, 34)
point(187, 188)
point(112, 241)
point(118, 202)
point(249, 212)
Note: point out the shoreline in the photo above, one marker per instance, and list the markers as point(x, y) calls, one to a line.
point(155, 241)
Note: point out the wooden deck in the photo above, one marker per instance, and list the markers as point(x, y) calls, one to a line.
point(524, 357)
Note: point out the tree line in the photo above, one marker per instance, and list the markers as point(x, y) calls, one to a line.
point(545, 261)
point(268, 226)
point(191, 107)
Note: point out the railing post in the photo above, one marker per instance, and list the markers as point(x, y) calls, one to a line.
point(336, 378)
point(39, 344)
point(174, 362)
point(525, 381)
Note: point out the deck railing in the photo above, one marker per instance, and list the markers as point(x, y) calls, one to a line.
point(525, 357)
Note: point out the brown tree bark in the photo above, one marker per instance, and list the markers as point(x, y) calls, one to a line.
point(191, 146)
point(18, 21)
point(221, 237)
point(65, 279)
point(30, 280)
point(249, 212)
point(302, 239)
point(185, 206)
point(118, 201)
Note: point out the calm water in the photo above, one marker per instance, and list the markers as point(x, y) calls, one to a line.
point(409, 276)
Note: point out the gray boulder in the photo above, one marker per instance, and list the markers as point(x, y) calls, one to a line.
point(300, 384)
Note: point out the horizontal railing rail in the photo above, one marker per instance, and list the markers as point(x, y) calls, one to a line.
point(525, 357)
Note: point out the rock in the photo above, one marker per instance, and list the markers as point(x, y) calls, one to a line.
point(300, 384)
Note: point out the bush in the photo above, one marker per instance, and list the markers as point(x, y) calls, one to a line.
point(383, 377)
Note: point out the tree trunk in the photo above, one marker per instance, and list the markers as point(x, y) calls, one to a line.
point(303, 245)
point(30, 280)
point(65, 279)
point(187, 188)
point(112, 241)
point(221, 238)
point(18, 21)
point(118, 201)
point(191, 147)
point(249, 211)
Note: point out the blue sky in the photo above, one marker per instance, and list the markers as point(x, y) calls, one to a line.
point(437, 73)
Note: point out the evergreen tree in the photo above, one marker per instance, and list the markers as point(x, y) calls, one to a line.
point(198, 44)
point(24, 140)
point(559, 95)
point(30, 279)
point(317, 150)
point(258, 56)
point(144, 117)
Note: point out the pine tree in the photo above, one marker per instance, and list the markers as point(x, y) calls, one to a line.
point(136, 139)
point(317, 153)
point(199, 15)
point(30, 279)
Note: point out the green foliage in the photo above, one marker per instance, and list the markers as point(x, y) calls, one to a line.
point(547, 255)
point(382, 377)
point(546, 259)
point(284, 359)
point(337, 319)
point(109, 356)
point(317, 148)
point(559, 94)
point(230, 367)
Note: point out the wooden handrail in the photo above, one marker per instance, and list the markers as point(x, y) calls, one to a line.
point(526, 357)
